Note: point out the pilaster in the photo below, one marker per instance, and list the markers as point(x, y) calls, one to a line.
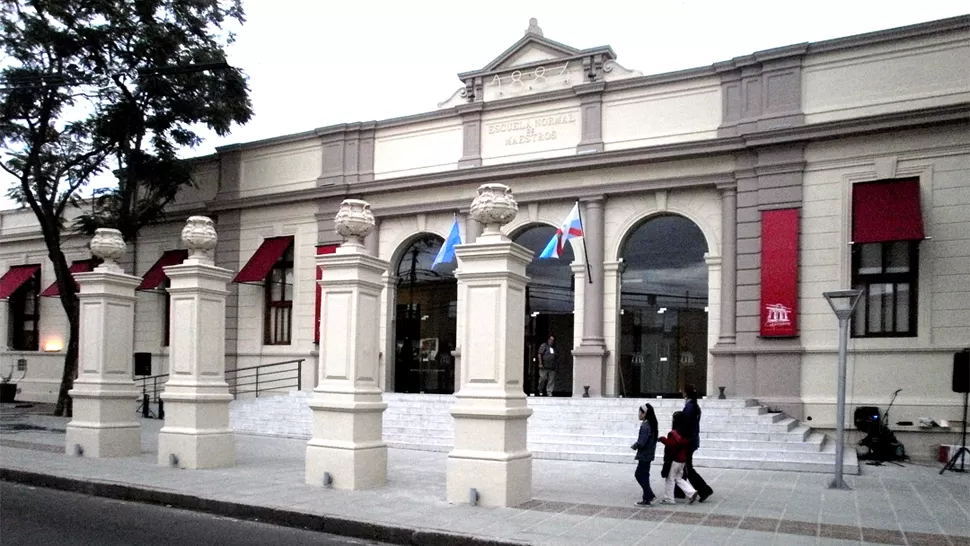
point(348, 153)
point(591, 114)
point(589, 358)
point(471, 126)
point(347, 450)
point(104, 394)
point(196, 433)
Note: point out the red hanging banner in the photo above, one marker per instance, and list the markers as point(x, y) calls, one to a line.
point(779, 273)
point(321, 249)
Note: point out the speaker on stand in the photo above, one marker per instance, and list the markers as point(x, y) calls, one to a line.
point(961, 383)
point(143, 367)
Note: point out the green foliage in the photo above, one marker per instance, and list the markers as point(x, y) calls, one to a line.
point(89, 85)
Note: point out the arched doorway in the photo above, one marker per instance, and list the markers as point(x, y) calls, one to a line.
point(663, 308)
point(426, 309)
point(549, 307)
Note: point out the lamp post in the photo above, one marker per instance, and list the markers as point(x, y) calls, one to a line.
point(843, 303)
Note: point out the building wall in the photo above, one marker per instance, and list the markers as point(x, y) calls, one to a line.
point(417, 148)
point(921, 365)
point(662, 114)
point(279, 168)
point(887, 77)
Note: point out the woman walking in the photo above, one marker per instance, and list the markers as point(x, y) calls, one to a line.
point(692, 430)
point(645, 446)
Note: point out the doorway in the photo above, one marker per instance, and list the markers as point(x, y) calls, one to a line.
point(550, 301)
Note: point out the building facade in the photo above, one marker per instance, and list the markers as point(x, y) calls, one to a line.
point(718, 204)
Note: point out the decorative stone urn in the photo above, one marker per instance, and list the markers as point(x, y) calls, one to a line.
point(354, 221)
point(199, 237)
point(109, 245)
point(494, 207)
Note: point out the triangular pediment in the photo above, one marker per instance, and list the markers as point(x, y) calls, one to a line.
point(530, 49)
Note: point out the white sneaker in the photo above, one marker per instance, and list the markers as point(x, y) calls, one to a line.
point(668, 501)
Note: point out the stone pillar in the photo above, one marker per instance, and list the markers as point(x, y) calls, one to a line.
point(347, 450)
point(372, 241)
point(491, 410)
point(196, 433)
point(472, 228)
point(589, 357)
point(729, 263)
point(104, 394)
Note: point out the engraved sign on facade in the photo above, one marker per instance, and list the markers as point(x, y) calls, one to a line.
point(529, 130)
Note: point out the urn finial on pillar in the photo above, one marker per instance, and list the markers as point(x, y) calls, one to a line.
point(493, 207)
point(353, 222)
point(199, 237)
point(109, 245)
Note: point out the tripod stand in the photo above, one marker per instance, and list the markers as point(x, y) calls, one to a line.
point(963, 451)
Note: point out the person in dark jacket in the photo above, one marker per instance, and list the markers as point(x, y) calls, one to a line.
point(645, 446)
point(691, 431)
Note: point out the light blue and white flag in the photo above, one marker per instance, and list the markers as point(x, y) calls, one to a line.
point(447, 252)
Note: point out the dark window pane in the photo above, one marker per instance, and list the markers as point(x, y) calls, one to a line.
point(870, 259)
point(898, 259)
point(874, 305)
point(902, 307)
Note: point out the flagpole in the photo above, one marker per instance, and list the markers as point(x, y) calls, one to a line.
point(589, 272)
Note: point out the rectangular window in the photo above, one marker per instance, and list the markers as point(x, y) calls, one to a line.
point(24, 306)
point(887, 274)
point(278, 314)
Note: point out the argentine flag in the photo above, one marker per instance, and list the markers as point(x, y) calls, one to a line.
point(447, 252)
point(571, 228)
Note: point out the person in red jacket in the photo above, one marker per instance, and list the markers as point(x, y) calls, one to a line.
point(676, 448)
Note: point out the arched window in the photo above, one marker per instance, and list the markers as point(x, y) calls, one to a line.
point(663, 308)
point(425, 320)
point(549, 307)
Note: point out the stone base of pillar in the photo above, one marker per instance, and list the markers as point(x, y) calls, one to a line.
point(347, 441)
point(589, 361)
point(196, 431)
point(501, 473)
point(349, 468)
point(102, 426)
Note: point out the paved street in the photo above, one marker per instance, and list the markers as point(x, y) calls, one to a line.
point(574, 503)
point(34, 515)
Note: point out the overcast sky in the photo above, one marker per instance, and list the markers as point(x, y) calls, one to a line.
point(315, 63)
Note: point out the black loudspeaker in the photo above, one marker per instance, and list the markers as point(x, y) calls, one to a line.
point(143, 363)
point(961, 371)
point(866, 417)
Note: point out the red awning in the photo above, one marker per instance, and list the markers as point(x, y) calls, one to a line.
point(79, 266)
point(155, 274)
point(15, 277)
point(263, 259)
point(886, 211)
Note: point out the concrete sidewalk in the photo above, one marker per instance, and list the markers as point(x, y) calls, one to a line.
point(578, 503)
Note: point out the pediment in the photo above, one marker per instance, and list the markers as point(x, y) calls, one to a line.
point(530, 49)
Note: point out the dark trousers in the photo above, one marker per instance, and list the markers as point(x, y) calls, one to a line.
point(643, 478)
point(695, 479)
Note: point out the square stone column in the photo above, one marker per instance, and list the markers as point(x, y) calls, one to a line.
point(196, 433)
point(589, 358)
point(491, 411)
point(104, 393)
point(347, 450)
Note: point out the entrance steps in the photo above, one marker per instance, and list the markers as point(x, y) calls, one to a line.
point(736, 433)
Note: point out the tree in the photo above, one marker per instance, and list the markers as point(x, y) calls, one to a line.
point(89, 85)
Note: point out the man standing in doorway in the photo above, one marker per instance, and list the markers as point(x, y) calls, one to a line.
point(547, 367)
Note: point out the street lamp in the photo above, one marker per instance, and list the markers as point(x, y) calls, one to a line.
point(843, 303)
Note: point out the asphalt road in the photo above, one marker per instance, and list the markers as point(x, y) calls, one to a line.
point(35, 515)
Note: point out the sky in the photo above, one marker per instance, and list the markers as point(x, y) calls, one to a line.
point(315, 63)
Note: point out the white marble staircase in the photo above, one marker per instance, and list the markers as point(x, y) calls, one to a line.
point(736, 433)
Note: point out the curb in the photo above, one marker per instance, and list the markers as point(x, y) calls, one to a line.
point(287, 518)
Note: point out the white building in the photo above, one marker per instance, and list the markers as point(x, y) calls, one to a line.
point(718, 204)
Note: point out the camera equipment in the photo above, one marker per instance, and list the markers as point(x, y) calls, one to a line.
point(880, 442)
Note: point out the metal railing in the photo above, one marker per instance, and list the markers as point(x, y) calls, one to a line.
point(278, 376)
point(266, 377)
